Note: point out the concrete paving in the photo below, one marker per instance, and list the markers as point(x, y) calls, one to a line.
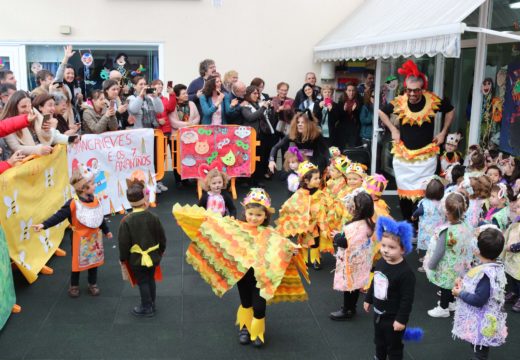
point(192, 323)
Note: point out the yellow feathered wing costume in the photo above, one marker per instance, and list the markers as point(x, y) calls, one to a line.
point(305, 215)
point(223, 249)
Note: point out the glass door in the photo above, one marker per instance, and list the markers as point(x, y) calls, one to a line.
point(12, 57)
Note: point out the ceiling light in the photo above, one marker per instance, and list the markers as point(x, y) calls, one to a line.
point(515, 5)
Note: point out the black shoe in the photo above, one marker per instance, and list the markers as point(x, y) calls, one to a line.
point(316, 266)
point(342, 315)
point(258, 343)
point(143, 311)
point(243, 336)
point(153, 307)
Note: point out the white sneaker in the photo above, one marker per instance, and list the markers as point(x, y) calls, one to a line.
point(157, 189)
point(451, 305)
point(161, 186)
point(438, 312)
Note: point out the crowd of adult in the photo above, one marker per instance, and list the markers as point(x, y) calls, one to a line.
point(313, 120)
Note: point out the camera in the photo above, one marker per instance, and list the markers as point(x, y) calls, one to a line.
point(150, 90)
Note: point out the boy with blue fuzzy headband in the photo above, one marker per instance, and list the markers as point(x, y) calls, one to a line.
point(392, 290)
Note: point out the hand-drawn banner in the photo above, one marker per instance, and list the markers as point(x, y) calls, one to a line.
point(32, 192)
point(229, 148)
point(112, 157)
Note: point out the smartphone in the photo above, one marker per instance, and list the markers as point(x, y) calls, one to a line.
point(46, 118)
point(150, 90)
point(328, 101)
point(288, 103)
point(72, 138)
point(60, 84)
point(170, 84)
point(113, 104)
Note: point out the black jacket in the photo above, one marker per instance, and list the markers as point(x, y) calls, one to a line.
point(228, 200)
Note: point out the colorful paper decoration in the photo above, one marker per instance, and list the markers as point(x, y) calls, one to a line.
point(229, 148)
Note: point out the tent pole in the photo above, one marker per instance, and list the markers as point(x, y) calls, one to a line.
point(438, 87)
point(478, 75)
point(375, 122)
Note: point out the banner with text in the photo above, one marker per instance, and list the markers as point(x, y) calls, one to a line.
point(31, 193)
point(113, 157)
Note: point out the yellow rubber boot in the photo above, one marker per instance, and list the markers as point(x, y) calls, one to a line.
point(244, 317)
point(315, 259)
point(315, 255)
point(257, 331)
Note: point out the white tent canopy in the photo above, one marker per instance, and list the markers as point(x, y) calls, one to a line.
point(393, 28)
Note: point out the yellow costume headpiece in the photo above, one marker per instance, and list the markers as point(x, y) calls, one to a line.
point(375, 184)
point(357, 168)
point(258, 196)
point(305, 167)
point(341, 163)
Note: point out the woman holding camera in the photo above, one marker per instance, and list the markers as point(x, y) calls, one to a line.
point(37, 138)
point(112, 90)
point(99, 117)
point(143, 105)
point(328, 114)
point(215, 104)
point(255, 114)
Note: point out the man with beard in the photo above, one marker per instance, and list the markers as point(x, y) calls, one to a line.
point(415, 147)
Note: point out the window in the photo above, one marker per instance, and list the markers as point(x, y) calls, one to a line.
point(4, 63)
point(133, 60)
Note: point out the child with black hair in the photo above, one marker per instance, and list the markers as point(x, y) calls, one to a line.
point(454, 175)
point(511, 170)
point(450, 156)
point(215, 197)
point(304, 215)
point(430, 214)
point(495, 174)
point(142, 242)
point(498, 213)
point(449, 253)
point(251, 254)
point(479, 316)
point(392, 290)
point(354, 254)
point(511, 256)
